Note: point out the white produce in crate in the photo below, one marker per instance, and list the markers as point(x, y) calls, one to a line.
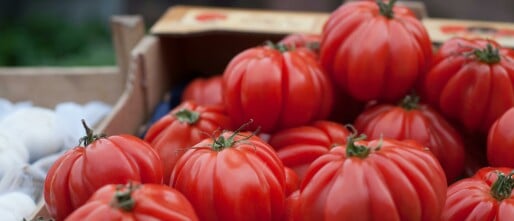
point(6, 107)
point(36, 127)
point(13, 152)
point(14, 206)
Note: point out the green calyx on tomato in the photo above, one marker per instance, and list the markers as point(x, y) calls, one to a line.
point(502, 187)
point(410, 102)
point(123, 199)
point(90, 136)
point(489, 54)
point(280, 47)
point(355, 150)
point(386, 9)
point(187, 116)
point(221, 142)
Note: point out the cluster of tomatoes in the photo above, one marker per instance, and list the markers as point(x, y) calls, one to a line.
point(270, 139)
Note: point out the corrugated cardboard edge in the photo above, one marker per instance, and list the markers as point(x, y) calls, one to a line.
point(179, 20)
point(434, 25)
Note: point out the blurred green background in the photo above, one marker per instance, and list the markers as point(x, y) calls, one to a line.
point(77, 32)
point(49, 41)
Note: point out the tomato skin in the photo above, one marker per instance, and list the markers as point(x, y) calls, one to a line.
point(471, 199)
point(171, 136)
point(276, 89)
point(399, 181)
point(422, 124)
point(79, 172)
point(372, 57)
point(244, 181)
point(298, 147)
point(292, 180)
point(152, 202)
point(205, 91)
point(465, 89)
point(292, 204)
point(500, 141)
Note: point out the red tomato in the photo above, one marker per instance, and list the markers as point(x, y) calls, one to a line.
point(298, 147)
point(292, 180)
point(204, 91)
point(471, 81)
point(500, 142)
point(419, 122)
point(487, 196)
point(185, 126)
point(374, 50)
point(147, 202)
point(303, 41)
point(374, 180)
point(292, 203)
point(234, 177)
point(276, 87)
point(79, 172)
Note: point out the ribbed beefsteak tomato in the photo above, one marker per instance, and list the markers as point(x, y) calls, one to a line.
point(297, 147)
point(487, 196)
point(375, 51)
point(185, 126)
point(204, 91)
point(500, 141)
point(135, 202)
point(380, 180)
point(276, 86)
point(419, 122)
point(79, 172)
point(472, 81)
point(234, 177)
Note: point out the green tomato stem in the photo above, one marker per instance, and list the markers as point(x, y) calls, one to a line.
point(502, 187)
point(386, 9)
point(410, 102)
point(187, 116)
point(354, 150)
point(221, 142)
point(279, 46)
point(123, 199)
point(489, 54)
point(90, 136)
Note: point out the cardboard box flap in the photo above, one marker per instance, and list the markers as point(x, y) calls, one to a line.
point(441, 30)
point(187, 20)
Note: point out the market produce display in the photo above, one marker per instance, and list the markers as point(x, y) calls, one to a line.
point(364, 121)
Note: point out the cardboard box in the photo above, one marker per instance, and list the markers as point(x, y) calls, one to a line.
point(441, 30)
